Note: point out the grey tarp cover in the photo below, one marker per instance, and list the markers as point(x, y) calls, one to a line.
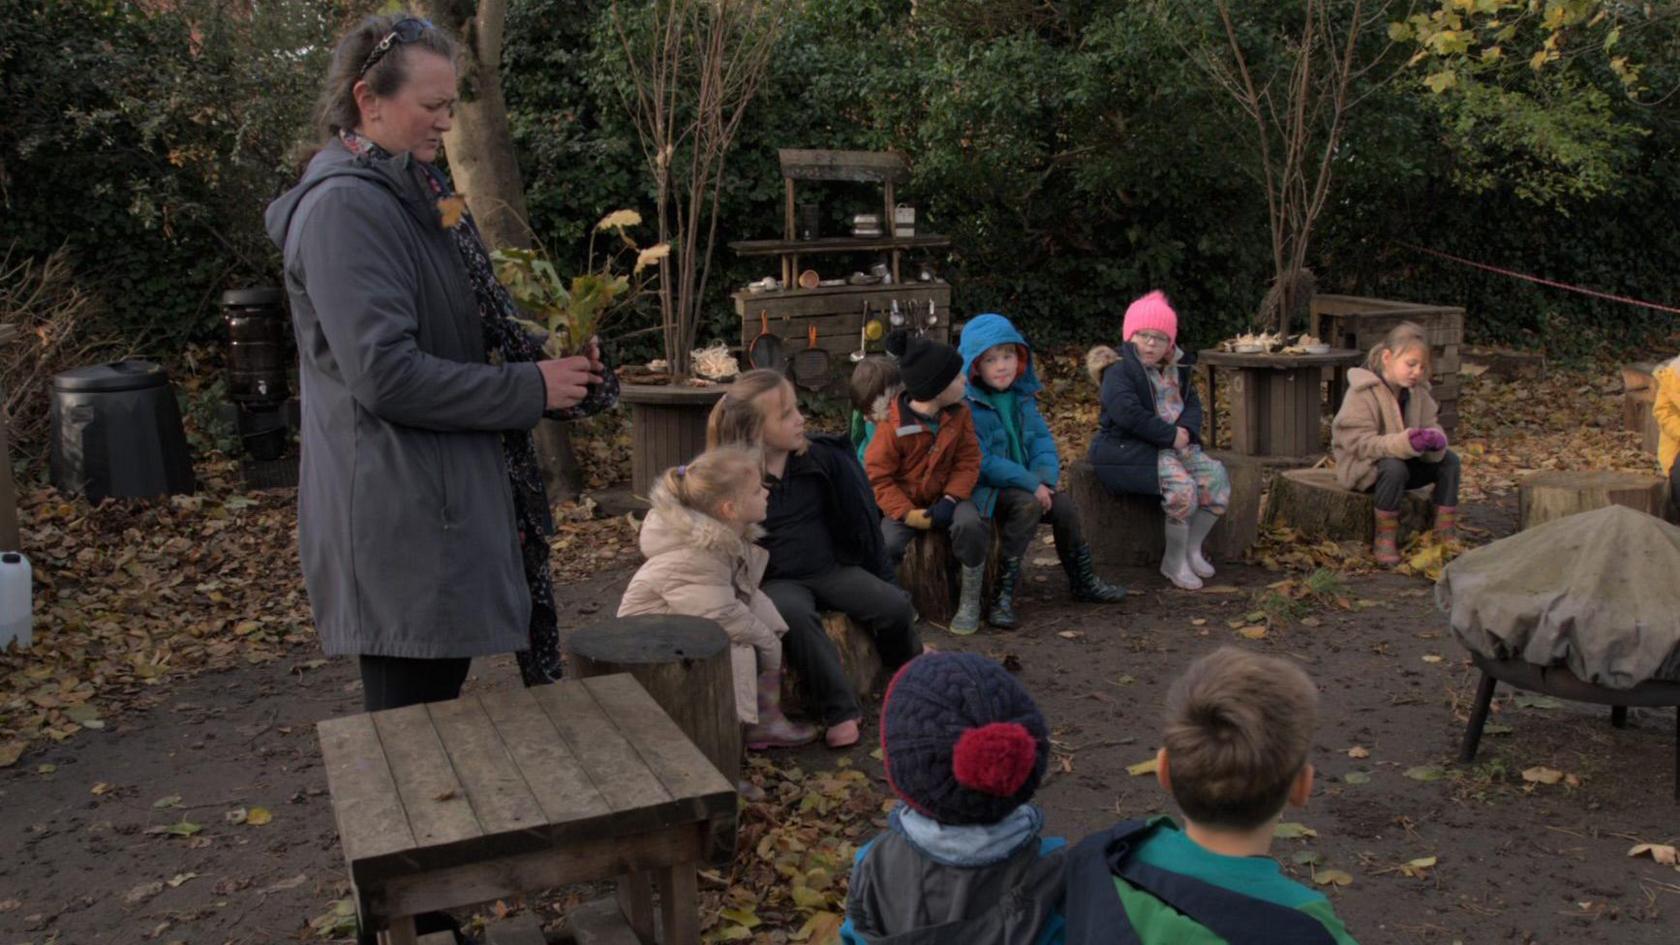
point(1597, 593)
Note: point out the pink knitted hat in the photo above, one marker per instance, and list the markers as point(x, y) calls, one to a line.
point(1151, 313)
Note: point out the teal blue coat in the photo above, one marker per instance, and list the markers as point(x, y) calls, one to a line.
point(998, 470)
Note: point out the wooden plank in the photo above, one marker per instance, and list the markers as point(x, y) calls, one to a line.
point(679, 904)
point(436, 802)
point(1445, 360)
point(839, 244)
point(599, 922)
point(521, 929)
point(886, 291)
point(556, 777)
point(496, 788)
point(370, 816)
point(849, 309)
point(453, 886)
point(678, 763)
point(610, 762)
point(863, 166)
point(401, 931)
point(634, 896)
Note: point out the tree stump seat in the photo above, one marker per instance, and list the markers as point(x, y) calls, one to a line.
point(1552, 494)
point(933, 576)
point(1312, 502)
point(1125, 531)
point(858, 656)
point(1639, 397)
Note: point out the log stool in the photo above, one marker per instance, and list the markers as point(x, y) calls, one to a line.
point(492, 795)
point(1124, 531)
point(1312, 502)
point(1560, 682)
point(1639, 397)
point(858, 657)
point(933, 576)
point(1553, 494)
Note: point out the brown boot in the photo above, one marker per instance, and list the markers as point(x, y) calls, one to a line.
point(773, 729)
point(1383, 546)
point(1446, 521)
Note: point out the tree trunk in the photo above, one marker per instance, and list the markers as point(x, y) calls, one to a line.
point(1313, 503)
point(1548, 496)
point(480, 145)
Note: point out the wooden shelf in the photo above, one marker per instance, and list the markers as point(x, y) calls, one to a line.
point(838, 244)
point(912, 288)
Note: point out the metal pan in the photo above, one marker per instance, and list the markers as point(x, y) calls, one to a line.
point(766, 350)
point(811, 366)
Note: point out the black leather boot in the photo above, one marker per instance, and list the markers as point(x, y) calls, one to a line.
point(1083, 581)
point(1002, 614)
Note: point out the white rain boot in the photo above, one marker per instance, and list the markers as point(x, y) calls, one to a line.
point(1175, 564)
point(1200, 524)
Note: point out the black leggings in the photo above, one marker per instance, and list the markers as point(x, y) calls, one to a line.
point(391, 682)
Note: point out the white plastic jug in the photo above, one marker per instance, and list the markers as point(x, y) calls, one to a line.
point(15, 605)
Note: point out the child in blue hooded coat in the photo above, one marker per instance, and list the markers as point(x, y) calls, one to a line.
point(1019, 466)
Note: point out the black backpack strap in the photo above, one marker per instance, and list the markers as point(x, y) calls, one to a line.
point(1237, 918)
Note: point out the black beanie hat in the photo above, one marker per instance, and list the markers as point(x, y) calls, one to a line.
point(926, 366)
point(961, 739)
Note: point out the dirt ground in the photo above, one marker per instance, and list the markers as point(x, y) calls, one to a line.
point(160, 779)
point(93, 860)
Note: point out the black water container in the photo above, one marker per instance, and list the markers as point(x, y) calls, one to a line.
point(258, 360)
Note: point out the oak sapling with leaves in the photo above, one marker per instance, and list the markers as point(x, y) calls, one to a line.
point(1387, 438)
point(965, 748)
point(1237, 731)
point(569, 314)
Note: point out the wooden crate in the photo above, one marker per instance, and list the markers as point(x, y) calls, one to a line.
point(1351, 321)
point(837, 313)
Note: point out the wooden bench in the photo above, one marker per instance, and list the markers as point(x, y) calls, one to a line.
point(1553, 494)
point(1315, 504)
point(495, 794)
point(1125, 531)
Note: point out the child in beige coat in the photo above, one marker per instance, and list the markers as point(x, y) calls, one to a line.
point(702, 562)
point(1387, 438)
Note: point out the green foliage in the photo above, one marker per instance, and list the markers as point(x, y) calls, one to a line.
point(1071, 151)
point(149, 136)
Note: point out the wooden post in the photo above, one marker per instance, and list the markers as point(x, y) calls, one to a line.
point(683, 663)
point(9, 537)
point(1553, 494)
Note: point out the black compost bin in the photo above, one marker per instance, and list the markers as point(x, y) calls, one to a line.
point(116, 431)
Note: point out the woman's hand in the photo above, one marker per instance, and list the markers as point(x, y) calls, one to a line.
point(1181, 439)
point(567, 380)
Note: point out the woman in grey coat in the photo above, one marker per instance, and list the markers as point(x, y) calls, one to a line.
point(422, 519)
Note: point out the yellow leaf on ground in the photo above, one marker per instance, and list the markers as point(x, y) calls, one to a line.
point(1142, 768)
point(258, 816)
point(1432, 658)
point(1359, 751)
point(1332, 877)
point(1540, 774)
point(1253, 633)
point(1661, 852)
point(1289, 830)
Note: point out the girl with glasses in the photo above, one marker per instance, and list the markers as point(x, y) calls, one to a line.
point(1150, 438)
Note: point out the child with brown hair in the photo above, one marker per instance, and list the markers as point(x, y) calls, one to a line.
point(925, 464)
point(1238, 730)
point(701, 561)
point(875, 383)
point(823, 532)
point(1386, 438)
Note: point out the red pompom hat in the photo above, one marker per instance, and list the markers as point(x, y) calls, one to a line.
point(961, 739)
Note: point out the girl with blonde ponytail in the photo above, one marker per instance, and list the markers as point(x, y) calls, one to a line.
point(702, 561)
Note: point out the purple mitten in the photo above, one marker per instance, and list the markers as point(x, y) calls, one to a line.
point(1420, 439)
point(1437, 441)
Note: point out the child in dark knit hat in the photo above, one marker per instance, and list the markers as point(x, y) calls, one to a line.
point(962, 860)
point(924, 463)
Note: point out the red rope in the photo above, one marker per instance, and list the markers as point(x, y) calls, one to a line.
point(1609, 297)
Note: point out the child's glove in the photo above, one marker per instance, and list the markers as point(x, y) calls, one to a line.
point(918, 518)
point(943, 511)
point(1426, 441)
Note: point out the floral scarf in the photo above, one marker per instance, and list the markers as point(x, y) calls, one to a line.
point(505, 342)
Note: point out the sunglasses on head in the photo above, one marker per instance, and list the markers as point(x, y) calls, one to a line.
point(406, 30)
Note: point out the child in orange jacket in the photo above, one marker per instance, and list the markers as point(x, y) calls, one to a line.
point(924, 463)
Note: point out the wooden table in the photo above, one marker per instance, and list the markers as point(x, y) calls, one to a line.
point(1279, 401)
point(495, 794)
